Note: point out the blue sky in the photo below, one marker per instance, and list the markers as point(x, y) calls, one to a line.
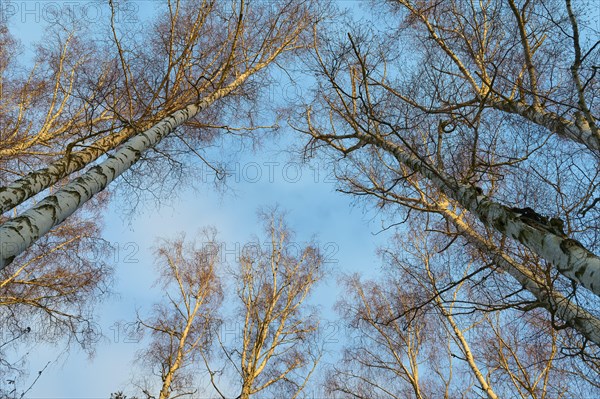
point(264, 177)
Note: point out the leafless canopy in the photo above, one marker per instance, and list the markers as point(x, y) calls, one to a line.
point(476, 122)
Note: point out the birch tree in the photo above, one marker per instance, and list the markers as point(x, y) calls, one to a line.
point(50, 295)
point(276, 348)
point(241, 39)
point(182, 325)
point(442, 110)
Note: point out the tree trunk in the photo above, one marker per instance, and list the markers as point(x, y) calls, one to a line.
point(245, 392)
point(19, 233)
point(587, 324)
point(35, 182)
point(569, 256)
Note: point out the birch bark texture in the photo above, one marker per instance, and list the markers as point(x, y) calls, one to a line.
point(569, 256)
point(35, 182)
point(18, 234)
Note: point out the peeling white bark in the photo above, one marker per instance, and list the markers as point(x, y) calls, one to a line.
point(16, 235)
point(563, 308)
point(35, 182)
point(19, 233)
point(567, 255)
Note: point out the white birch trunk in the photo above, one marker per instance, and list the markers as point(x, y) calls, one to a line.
point(567, 255)
point(18, 234)
point(35, 182)
point(563, 308)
